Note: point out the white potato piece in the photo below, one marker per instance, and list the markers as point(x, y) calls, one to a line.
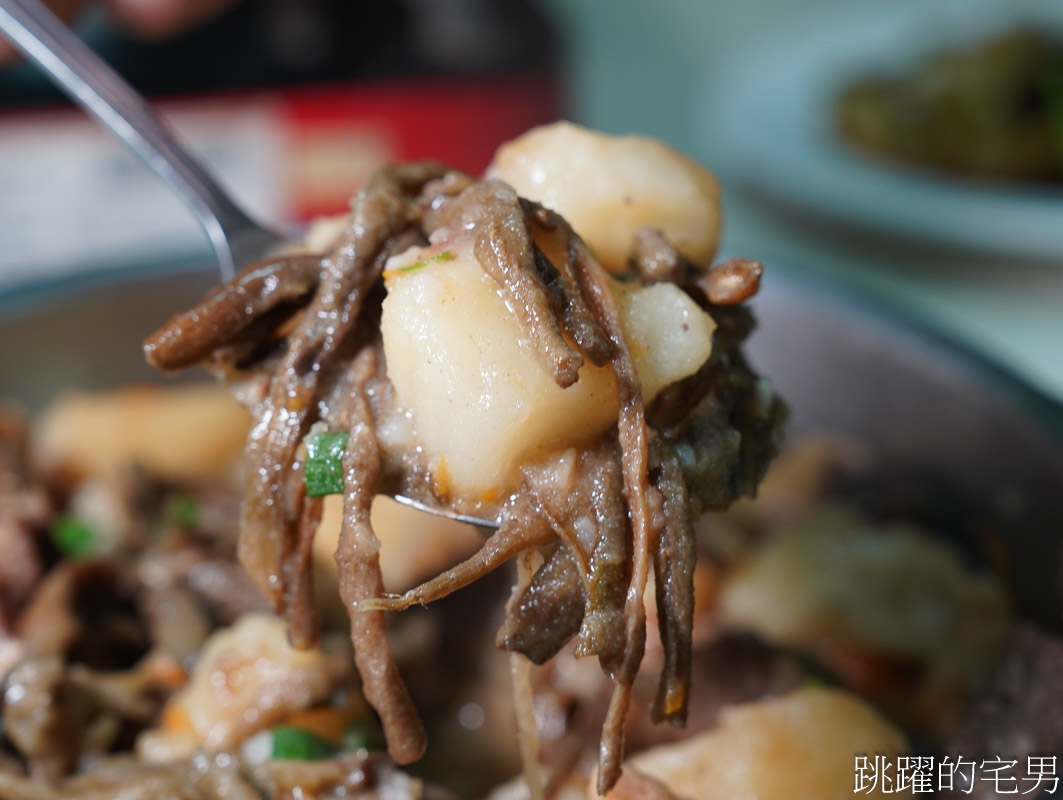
point(801, 746)
point(248, 677)
point(191, 431)
point(834, 578)
point(608, 187)
point(481, 402)
point(670, 337)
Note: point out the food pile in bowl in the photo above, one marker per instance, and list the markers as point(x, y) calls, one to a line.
point(553, 350)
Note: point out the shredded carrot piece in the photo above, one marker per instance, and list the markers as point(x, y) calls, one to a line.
point(175, 719)
point(328, 722)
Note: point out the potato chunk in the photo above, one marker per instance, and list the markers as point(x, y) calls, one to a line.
point(798, 747)
point(481, 403)
point(247, 678)
point(669, 336)
point(833, 577)
point(608, 187)
point(181, 432)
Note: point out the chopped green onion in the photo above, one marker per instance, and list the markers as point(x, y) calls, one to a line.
point(323, 472)
point(359, 736)
point(297, 744)
point(73, 537)
point(184, 511)
point(812, 681)
point(446, 255)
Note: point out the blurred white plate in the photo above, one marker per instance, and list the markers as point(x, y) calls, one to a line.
point(769, 126)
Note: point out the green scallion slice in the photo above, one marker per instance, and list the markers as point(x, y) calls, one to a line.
point(446, 255)
point(323, 472)
point(184, 511)
point(294, 743)
point(73, 537)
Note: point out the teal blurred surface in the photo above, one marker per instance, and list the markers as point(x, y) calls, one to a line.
point(650, 68)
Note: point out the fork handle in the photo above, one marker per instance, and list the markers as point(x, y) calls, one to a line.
point(89, 81)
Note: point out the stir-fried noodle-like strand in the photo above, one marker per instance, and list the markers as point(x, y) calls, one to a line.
point(358, 559)
point(298, 336)
point(673, 570)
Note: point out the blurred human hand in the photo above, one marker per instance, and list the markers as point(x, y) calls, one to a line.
point(148, 19)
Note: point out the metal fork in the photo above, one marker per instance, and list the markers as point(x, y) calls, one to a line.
point(76, 69)
point(73, 66)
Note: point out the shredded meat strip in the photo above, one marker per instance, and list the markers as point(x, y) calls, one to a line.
point(505, 250)
point(358, 560)
point(300, 607)
point(730, 282)
point(583, 496)
point(634, 447)
point(523, 697)
point(522, 528)
point(642, 497)
point(548, 612)
point(383, 211)
point(191, 336)
point(673, 565)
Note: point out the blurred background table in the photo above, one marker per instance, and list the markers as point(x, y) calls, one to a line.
point(648, 67)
